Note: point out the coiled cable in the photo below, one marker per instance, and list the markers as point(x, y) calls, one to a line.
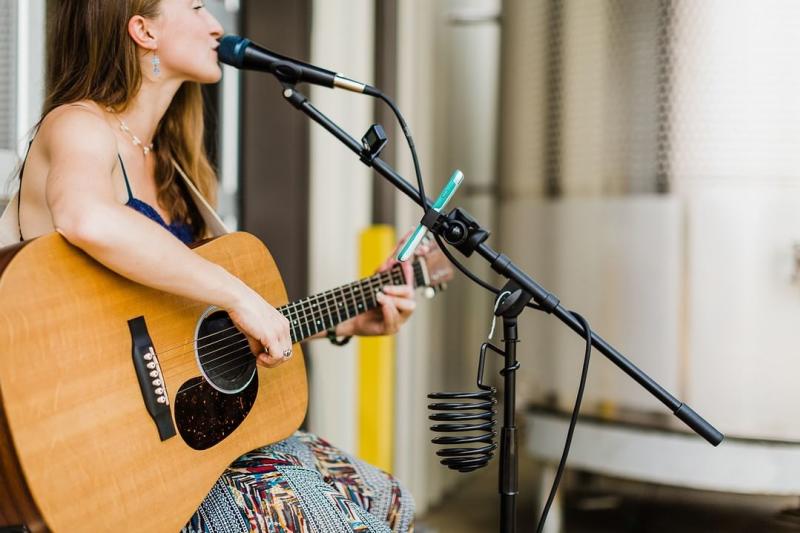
point(468, 418)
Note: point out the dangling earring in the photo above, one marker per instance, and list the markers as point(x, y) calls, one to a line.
point(156, 64)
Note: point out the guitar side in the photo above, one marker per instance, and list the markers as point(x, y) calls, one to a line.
point(78, 449)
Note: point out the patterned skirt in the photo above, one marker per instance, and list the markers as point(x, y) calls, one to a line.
point(303, 485)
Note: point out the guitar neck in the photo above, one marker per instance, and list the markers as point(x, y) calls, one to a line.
point(316, 313)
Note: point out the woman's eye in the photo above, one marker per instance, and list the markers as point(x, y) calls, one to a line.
point(201, 6)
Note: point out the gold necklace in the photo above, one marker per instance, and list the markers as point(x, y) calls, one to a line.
point(124, 127)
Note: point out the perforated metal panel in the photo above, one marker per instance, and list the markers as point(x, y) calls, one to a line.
point(698, 98)
point(608, 97)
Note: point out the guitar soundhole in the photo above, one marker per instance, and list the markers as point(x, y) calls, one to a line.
point(223, 353)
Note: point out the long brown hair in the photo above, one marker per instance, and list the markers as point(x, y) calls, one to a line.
point(92, 57)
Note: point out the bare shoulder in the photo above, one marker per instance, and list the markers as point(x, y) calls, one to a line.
point(79, 131)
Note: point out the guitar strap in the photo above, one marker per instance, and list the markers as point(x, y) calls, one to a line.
point(214, 225)
point(10, 229)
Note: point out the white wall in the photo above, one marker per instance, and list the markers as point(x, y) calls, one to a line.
point(721, 305)
point(227, 12)
point(736, 157)
point(341, 193)
point(30, 80)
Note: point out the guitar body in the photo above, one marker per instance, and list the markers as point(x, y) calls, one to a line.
point(79, 450)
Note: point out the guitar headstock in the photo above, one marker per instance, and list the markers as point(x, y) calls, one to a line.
point(432, 269)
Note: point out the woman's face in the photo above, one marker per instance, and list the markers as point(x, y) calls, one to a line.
point(187, 41)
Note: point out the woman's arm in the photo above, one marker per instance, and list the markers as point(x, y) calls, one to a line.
point(82, 152)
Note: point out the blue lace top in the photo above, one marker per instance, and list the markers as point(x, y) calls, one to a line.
point(182, 230)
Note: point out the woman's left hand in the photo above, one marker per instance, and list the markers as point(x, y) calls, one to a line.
point(397, 303)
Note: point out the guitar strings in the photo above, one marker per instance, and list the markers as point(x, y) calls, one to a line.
point(351, 311)
point(389, 273)
point(203, 379)
point(317, 312)
point(366, 303)
point(192, 365)
point(245, 357)
point(314, 317)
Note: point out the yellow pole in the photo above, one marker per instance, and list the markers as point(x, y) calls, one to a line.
point(376, 358)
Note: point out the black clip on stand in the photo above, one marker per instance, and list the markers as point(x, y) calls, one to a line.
point(460, 230)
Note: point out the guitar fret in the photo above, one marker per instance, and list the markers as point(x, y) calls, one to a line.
point(305, 320)
point(345, 306)
point(419, 278)
point(286, 311)
point(312, 318)
point(363, 304)
point(316, 315)
point(337, 305)
point(298, 320)
point(373, 291)
point(327, 311)
point(300, 317)
point(353, 298)
point(333, 307)
point(366, 295)
point(324, 311)
point(308, 316)
point(369, 292)
point(352, 308)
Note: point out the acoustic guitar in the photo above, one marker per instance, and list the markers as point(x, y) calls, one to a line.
point(122, 405)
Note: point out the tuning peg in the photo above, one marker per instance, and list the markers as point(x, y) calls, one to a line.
point(429, 292)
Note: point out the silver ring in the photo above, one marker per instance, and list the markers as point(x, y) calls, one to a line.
point(287, 353)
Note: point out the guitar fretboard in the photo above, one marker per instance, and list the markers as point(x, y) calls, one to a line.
point(316, 313)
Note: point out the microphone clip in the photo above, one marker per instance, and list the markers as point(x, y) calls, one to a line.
point(373, 142)
point(458, 228)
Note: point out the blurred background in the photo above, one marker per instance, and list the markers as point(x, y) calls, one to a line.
point(639, 158)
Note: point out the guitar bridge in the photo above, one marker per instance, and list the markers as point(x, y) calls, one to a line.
point(151, 379)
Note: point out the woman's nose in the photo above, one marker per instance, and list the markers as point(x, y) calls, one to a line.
point(216, 28)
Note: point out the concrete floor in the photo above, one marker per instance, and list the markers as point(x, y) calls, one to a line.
point(600, 505)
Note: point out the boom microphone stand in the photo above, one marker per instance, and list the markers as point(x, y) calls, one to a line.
point(462, 231)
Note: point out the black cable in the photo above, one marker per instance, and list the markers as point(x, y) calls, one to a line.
point(462, 268)
point(423, 197)
point(587, 332)
point(407, 133)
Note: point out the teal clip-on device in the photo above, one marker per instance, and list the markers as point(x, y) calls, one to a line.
point(449, 190)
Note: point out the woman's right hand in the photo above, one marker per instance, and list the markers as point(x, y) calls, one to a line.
point(267, 329)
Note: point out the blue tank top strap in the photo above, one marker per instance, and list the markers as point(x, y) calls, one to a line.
point(24, 160)
point(182, 230)
point(125, 175)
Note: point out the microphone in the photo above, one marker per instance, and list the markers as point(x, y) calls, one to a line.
point(244, 54)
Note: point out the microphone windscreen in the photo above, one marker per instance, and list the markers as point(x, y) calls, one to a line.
point(231, 50)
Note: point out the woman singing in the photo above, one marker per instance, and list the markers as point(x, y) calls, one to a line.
point(123, 102)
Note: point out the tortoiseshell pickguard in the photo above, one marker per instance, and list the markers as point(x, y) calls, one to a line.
point(205, 416)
